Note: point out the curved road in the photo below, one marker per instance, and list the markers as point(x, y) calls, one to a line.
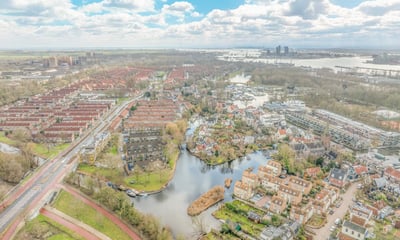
point(104, 212)
point(80, 230)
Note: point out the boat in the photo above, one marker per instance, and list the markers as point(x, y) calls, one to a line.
point(130, 193)
point(228, 182)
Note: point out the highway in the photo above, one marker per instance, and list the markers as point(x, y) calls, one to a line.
point(30, 196)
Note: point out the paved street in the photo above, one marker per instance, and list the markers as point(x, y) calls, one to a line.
point(28, 196)
point(323, 233)
point(70, 224)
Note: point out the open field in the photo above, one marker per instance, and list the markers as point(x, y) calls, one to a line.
point(77, 209)
point(44, 228)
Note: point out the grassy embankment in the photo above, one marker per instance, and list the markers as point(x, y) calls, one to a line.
point(44, 228)
point(75, 208)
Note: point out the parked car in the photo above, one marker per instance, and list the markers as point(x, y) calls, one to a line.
point(331, 212)
point(333, 228)
point(338, 221)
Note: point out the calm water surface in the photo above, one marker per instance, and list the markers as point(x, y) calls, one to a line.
point(193, 178)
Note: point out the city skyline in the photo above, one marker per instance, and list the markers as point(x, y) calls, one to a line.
point(199, 24)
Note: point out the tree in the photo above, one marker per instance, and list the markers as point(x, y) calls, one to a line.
point(11, 170)
point(286, 156)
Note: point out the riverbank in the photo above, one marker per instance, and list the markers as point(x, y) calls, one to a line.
point(205, 201)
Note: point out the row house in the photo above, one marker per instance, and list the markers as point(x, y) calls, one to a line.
point(271, 182)
point(74, 130)
point(242, 190)
point(289, 194)
point(277, 205)
point(264, 171)
point(90, 152)
point(321, 202)
point(59, 137)
point(300, 184)
point(275, 166)
point(301, 214)
point(15, 126)
point(250, 179)
point(360, 215)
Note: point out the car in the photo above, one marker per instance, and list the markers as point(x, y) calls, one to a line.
point(338, 221)
point(338, 204)
point(333, 228)
point(331, 212)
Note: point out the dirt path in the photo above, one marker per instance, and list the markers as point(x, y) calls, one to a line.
point(76, 228)
point(101, 210)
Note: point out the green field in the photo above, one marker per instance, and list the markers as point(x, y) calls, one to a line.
point(43, 226)
point(42, 151)
point(77, 209)
point(6, 140)
point(152, 181)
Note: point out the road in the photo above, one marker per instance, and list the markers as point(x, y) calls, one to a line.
point(104, 212)
point(70, 225)
point(27, 197)
point(324, 232)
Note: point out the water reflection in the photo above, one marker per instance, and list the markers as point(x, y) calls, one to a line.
point(193, 178)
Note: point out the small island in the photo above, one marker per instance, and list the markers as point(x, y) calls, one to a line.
point(206, 200)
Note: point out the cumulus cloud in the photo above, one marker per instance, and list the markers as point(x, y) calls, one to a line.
point(144, 23)
point(379, 8)
point(307, 9)
point(135, 5)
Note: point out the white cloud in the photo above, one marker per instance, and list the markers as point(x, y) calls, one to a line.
point(256, 22)
point(379, 8)
point(134, 5)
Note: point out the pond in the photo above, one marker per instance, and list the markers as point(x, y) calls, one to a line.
point(193, 178)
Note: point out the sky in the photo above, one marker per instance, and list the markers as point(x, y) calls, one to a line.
point(52, 24)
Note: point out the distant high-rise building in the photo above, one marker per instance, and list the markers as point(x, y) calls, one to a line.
point(278, 50)
point(46, 63)
point(53, 62)
point(286, 49)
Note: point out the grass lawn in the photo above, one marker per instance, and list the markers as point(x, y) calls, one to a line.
point(380, 234)
point(247, 225)
point(214, 235)
point(6, 140)
point(42, 225)
point(41, 150)
point(113, 150)
point(77, 209)
point(112, 175)
point(149, 181)
point(317, 220)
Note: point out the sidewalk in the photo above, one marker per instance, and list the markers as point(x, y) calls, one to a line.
point(82, 229)
point(125, 227)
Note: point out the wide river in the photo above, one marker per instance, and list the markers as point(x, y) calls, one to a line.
point(193, 178)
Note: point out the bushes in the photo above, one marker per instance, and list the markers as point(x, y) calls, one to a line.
point(147, 225)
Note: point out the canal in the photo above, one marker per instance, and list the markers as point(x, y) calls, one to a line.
point(193, 178)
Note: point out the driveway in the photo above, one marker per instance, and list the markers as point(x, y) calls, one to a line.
point(323, 233)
